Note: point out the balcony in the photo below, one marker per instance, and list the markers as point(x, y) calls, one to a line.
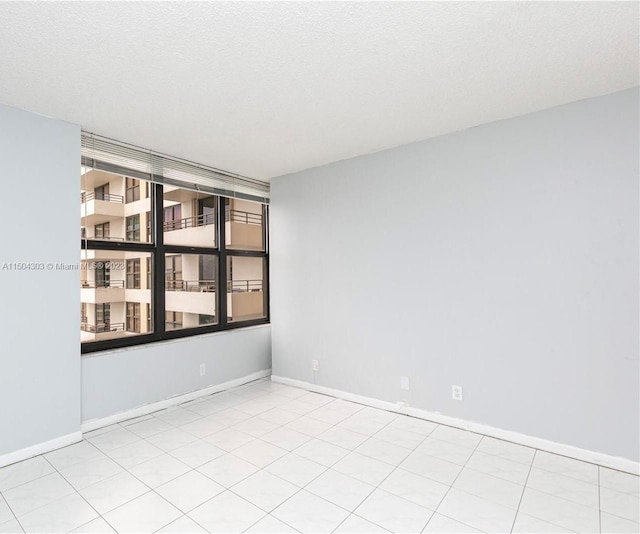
point(191, 296)
point(197, 231)
point(199, 286)
point(245, 300)
point(106, 197)
point(102, 255)
point(102, 292)
point(100, 331)
point(244, 230)
point(100, 208)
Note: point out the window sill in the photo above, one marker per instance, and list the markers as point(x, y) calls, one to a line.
point(185, 339)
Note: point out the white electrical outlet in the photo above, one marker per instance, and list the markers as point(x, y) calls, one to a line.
point(203, 369)
point(404, 383)
point(315, 366)
point(456, 393)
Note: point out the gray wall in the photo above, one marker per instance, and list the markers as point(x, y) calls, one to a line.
point(117, 381)
point(46, 390)
point(503, 259)
point(40, 312)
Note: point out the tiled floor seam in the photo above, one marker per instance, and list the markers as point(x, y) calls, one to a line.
point(151, 490)
point(81, 496)
point(524, 488)
point(395, 468)
point(327, 468)
point(452, 483)
point(259, 469)
point(349, 512)
point(15, 517)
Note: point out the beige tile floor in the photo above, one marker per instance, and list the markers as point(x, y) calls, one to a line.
point(271, 458)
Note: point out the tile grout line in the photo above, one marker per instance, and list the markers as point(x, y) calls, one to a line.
point(392, 471)
point(377, 486)
point(258, 467)
point(451, 487)
point(153, 490)
point(327, 468)
point(81, 496)
point(524, 488)
point(300, 416)
point(11, 510)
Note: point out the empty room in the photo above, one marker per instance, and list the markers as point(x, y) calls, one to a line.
point(320, 267)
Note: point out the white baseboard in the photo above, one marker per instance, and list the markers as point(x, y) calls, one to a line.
point(94, 424)
point(40, 448)
point(614, 462)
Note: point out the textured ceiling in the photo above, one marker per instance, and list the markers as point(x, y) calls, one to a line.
point(264, 89)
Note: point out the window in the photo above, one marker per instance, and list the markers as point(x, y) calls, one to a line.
point(245, 288)
point(173, 273)
point(102, 273)
point(244, 225)
point(103, 317)
point(101, 192)
point(158, 267)
point(190, 287)
point(132, 190)
point(101, 231)
point(148, 264)
point(133, 228)
point(172, 217)
point(133, 317)
point(133, 273)
point(148, 219)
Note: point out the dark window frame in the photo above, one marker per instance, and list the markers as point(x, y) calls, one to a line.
point(157, 250)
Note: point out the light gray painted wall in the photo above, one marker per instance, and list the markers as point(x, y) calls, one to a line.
point(503, 259)
point(41, 393)
point(117, 381)
point(40, 312)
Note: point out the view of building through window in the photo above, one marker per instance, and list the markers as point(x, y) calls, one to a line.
point(121, 285)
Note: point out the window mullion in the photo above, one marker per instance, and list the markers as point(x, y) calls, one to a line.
point(158, 262)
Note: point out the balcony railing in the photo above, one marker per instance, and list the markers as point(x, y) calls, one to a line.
point(243, 286)
point(244, 217)
point(197, 286)
point(103, 283)
point(102, 327)
point(107, 238)
point(189, 222)
point(106, 197)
